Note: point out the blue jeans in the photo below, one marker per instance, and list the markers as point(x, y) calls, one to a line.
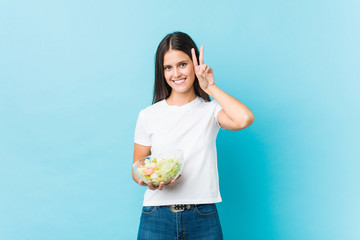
point(160, 223)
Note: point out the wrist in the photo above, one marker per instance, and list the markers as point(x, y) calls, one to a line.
point(210, 89)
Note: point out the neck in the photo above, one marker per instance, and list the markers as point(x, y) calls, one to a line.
point(179, 99)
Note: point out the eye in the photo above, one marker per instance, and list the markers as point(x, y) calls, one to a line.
point(182, 64)
point(166, 67)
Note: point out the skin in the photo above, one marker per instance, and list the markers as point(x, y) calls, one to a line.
point(177, 65)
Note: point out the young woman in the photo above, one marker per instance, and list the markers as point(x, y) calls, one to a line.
point(183, 117)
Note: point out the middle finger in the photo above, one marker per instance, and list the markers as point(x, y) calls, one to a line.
point(161, 185)
point(150, 185)
point(201, 58)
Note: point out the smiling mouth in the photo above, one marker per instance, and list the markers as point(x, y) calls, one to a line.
point(179, 82)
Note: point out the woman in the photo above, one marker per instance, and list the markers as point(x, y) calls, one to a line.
point(183, 117)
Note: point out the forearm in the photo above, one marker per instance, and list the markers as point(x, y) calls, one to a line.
point(135, 177)
point(234, 109)
point(140, 152)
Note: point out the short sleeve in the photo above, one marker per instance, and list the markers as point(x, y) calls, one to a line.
point(218, 107)
point(142, 137)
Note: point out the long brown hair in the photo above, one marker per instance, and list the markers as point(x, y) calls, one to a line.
point(176, 41)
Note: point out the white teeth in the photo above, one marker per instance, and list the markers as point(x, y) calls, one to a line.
point(178, 82)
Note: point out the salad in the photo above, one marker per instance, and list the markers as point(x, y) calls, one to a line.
point(159, 169)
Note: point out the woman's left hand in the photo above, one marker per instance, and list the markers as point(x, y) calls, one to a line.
point(203, 72)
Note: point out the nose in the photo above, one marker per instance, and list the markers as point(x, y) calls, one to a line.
point(176, 73)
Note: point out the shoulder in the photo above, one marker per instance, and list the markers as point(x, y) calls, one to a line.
point(210, 104)
point(152, 109)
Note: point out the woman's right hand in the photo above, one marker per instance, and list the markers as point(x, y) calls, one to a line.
point(161, 185)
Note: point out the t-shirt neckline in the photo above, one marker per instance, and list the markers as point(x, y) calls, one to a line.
point(186, 105)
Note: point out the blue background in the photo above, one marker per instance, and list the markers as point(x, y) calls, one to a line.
point(75, 74)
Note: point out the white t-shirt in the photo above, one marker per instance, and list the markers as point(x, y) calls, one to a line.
point(193, 128)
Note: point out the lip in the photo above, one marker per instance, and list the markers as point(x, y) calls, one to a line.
point(179, 81)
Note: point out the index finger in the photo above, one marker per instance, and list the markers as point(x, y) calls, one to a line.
point(194, 59)
point(201, 58)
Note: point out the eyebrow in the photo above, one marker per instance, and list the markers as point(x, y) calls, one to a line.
point(183, 61)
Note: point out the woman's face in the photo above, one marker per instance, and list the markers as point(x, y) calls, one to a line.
point(179, 71)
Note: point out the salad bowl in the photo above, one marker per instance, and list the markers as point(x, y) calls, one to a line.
point(160, 168)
